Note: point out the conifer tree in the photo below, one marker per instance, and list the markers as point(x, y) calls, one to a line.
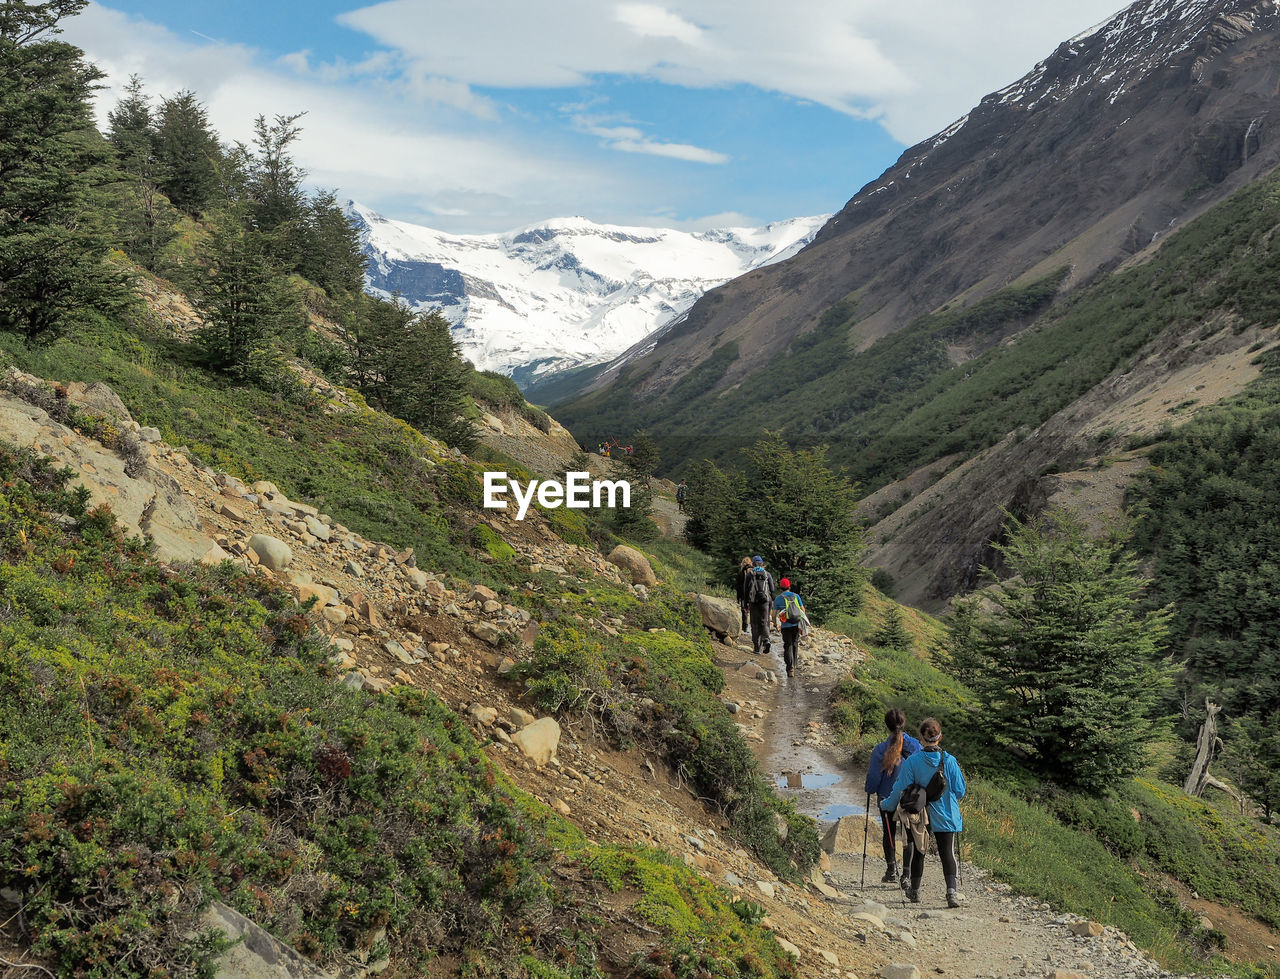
point(187, 153)
point(333, 258)
point(54, 172)
point(407, 364)
point(638, 468)
point(1067, 662)
point(892, 633)
point(146, 222)
point(243, 299)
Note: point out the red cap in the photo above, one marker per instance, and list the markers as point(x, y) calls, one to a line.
point(785, 582)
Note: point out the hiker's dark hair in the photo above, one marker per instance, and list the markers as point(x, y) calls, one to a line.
point(930, 730)
point(895, 721)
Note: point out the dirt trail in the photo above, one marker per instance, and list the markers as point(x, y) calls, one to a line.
point(994, 934)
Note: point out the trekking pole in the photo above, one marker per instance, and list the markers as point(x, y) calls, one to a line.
point(866, 824)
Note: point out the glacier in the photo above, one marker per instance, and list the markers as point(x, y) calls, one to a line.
point(566, 292)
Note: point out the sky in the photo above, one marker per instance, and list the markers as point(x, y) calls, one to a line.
point(480, 116)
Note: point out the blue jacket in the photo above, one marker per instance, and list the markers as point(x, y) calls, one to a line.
point(881, 782)
point(944, 815)
point(780, 606)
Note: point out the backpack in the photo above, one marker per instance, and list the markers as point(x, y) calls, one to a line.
point(916, 796)
point(758, 590)
point(792, 609)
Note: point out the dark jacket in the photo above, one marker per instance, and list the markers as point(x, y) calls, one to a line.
point(741, 585)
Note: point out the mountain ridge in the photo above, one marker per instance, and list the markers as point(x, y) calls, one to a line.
point(561, 293)
point(1042, 172)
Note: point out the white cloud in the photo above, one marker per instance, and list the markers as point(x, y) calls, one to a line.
point(630, 139)
point(916, 65)
point(369, 142)
point(649, 20)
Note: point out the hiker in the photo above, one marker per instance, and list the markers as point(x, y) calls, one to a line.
point(740, 589)
point(789, 617)
point(680, 491)
point(886, 758)
point(759, 592)
point(944, 811)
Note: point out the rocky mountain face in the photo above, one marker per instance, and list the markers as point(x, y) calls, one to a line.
point(566, 293)
point(1083, 167)
point(1121, 134)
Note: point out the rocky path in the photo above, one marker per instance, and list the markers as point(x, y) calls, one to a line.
point(995, 934)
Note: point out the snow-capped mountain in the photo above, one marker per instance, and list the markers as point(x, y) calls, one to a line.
point(564, 293)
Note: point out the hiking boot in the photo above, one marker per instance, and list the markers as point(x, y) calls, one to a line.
point(890, 875)
point(913, 895)
point(953, 898)
point(904, 882)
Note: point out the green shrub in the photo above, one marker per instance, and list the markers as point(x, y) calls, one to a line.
point(172, 734)
point(486, 539)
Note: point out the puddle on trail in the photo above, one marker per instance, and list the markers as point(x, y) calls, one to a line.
point(832, 813)
point(805, 780)
point(818, 794)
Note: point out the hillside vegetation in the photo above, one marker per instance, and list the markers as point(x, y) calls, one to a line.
point(901, 403)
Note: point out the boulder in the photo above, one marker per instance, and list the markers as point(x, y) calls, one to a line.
point(272, 552)
point(539, 740)
point(720, 615)
point(145, 501)
point(482, 593)
point(316, 529)
point(899, 970)
point(214, 556)
point(845, 836)
point(634, 563)
point(98, 399)
point(253, 954)
point(520, 718)
point(486, 632)
point(323, 594)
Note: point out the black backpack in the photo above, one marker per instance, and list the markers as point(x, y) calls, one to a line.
point(758, 590)
point(916, 796)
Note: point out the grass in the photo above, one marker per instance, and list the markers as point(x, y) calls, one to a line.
point(168, 735)
point(1084, 854)
point(370, 472)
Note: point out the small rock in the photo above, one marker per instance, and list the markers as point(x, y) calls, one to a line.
point(765, 888)
point(786, 946)
point(520, 718)
point(483, 715)
point(1087, 929)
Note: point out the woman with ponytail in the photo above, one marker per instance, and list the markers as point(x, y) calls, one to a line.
point(945, 820)
point(886, 759)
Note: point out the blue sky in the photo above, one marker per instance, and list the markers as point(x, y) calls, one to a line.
point(488, 115)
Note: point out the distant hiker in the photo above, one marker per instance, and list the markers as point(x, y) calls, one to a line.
point(788, 613)
point(927, 768)
point(740, 588)
point(759, 591)
point(680, 492)
point(886, 758)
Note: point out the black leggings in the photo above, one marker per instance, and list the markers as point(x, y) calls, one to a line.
point(892, 830)
point(946, 843)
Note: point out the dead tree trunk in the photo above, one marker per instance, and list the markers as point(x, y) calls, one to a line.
point(1206, 744)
